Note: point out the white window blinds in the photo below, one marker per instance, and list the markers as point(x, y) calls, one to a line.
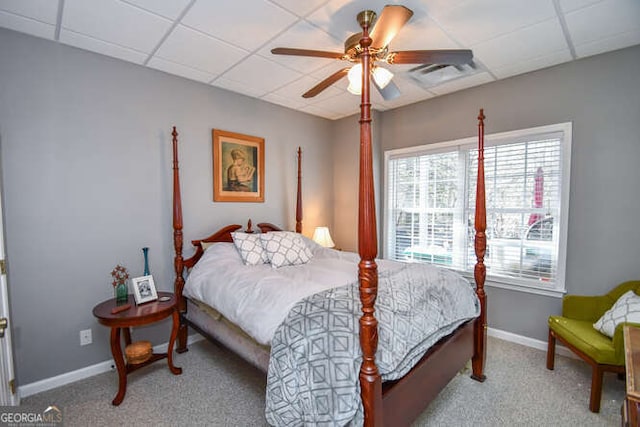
point(430, 203)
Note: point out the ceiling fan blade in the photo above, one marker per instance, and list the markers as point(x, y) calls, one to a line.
point(326, 83)
point(306, 52)
point(444, 56)
point(391, 20)
point(389, 92)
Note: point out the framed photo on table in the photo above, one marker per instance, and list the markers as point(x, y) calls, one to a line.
point(144, 290)
point(238, 167)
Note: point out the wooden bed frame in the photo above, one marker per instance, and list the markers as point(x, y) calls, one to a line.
point(397, 402)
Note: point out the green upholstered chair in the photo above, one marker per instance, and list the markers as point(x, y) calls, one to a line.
point(575, 330)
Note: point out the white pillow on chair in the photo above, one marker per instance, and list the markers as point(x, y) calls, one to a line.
point(626, 309)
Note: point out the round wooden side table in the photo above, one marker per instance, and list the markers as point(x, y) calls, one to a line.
point(137, 315)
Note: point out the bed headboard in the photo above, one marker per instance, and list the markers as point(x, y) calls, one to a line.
point(224, 235)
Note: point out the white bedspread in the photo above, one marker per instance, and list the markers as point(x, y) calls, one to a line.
point(258, 298)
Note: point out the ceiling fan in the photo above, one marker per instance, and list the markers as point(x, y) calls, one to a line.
point(385, 28)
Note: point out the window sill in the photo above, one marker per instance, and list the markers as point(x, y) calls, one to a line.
point(530, 289)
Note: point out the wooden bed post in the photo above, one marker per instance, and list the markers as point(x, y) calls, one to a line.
point(178, 261)
point(370, 380)
point(480, 271)
point(299, 194)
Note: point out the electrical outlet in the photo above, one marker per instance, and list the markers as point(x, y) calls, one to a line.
point(85, 337)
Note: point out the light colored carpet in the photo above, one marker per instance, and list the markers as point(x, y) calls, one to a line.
point(217, 388)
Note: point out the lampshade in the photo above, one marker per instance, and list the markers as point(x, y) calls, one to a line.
point(382, 76)
point(322, 237)
point(355, 80)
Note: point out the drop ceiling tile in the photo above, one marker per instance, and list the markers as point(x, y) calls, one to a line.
point(608, 44)
point(179, 70)
point(261, 74)
point(295, 89)
point(109, 49)
point(285, 102)
point(300, 8)
point(463, 83)
point(247, 23)
point(302, 36)
point(168, 8)
point(570, 5)
point(204, 52)
point(338, 17)
point(27, 25)
point(316, 111)
point(127, 25)
point(531, 42)
point(422, 33)
point(615, 16)
point(238, 87)
point(45, 11)
point(345, 103)
point(527, 65)
point(439, 7)
point(479, 20)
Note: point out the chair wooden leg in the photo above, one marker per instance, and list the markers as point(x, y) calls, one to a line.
point(596, 389)
point(551, 350)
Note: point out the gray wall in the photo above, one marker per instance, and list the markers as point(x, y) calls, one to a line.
point(601, 96)
point(86, 170)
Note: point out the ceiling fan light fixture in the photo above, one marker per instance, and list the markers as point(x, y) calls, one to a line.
point(355, 79)
point(382, 76)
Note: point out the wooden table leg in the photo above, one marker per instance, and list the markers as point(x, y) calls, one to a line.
point(116, 351)
point(174, 333)
point(127, 336)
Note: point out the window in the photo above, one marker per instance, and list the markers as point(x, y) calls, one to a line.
point(430, 205)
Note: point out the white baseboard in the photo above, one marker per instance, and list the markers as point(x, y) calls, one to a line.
point(83, 373)
point(108, 365)
point(529, 342)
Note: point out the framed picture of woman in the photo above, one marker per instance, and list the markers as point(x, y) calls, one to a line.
point(238, 167)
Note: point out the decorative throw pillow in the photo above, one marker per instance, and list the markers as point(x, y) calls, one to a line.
point(626, 309)
point(285, 248)
point(250, 248)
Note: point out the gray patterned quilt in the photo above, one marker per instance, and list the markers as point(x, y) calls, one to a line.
point(316, 355)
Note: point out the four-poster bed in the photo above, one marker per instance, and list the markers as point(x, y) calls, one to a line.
point(395, 402)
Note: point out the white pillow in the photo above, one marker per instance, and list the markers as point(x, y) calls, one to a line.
point(250, 248)
point(626, 309)
point(285, 248)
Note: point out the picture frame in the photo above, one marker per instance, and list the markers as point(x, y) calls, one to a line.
point(238, 167)
point(144, 289)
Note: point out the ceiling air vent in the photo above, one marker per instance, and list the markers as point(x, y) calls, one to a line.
point(431, 75)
